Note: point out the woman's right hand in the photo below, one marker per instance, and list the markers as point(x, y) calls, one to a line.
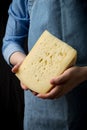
point(14, 70)
point(16, 59)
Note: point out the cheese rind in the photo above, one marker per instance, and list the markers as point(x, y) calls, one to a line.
point(49, 58)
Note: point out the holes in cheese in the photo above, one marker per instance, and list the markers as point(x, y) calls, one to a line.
point(48, 58)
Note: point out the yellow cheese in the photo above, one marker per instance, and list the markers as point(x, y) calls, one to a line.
point(47, 59)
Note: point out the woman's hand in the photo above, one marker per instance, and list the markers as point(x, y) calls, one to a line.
point(16, 60)
point(14, 70)
point(26, 88)
point(71, 78)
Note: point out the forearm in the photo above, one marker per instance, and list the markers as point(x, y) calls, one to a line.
point(17, 58)
point(16, 32)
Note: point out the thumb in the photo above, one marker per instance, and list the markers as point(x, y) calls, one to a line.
point(15, 68)
point(58, 80)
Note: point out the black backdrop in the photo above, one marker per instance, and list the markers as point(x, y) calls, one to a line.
point(11, 94)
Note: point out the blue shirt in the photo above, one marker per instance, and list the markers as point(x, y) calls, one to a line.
point(17, 28)
point(66, 19)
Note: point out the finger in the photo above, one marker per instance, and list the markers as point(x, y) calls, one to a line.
point(15, 68)
point(59, 80)
point(23, 86)
point(52, 94)
point(34, 93)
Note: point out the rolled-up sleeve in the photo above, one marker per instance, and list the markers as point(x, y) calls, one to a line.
point(16, 28)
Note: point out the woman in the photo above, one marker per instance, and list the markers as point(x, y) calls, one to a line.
point(67, 20)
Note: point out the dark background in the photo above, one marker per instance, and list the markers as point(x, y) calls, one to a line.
point(11, 94)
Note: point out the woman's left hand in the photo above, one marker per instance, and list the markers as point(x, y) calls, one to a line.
point(71, 78)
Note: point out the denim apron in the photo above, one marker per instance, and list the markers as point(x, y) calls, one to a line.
point(66, 19)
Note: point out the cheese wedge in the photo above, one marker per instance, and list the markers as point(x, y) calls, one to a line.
point(49, 58)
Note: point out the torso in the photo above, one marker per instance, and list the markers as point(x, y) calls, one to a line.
point(66, 19)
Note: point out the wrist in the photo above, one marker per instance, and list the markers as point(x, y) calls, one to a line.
point(17, 58)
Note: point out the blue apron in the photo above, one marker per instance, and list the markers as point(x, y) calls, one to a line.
point(66, 19)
